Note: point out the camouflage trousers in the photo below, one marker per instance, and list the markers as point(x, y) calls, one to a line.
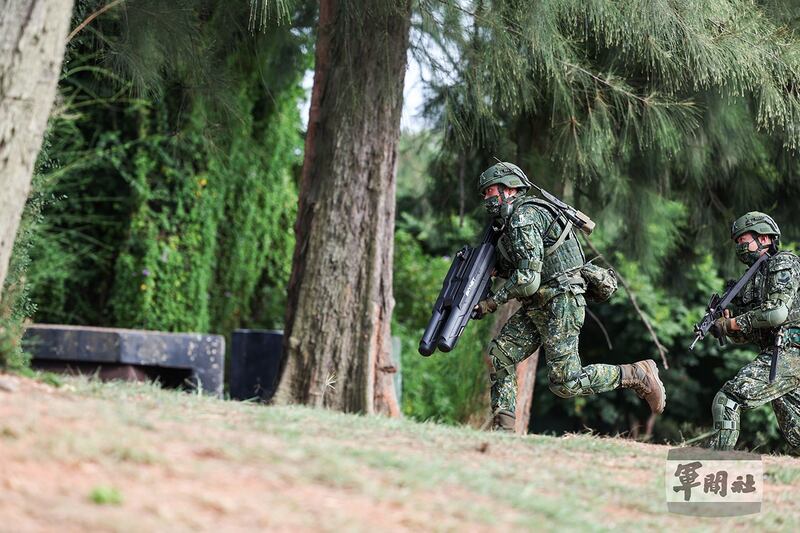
point(751, 388)
point(555, 328)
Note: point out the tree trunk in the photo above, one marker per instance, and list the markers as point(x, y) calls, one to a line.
point(337, 341)
point(32, 39)
point(526, 381)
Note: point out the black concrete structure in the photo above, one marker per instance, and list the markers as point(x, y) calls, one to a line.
point(255, 360)
point(191, 360)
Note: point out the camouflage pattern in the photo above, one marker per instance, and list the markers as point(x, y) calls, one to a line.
point(768, 303)
point(555, 327)
point(507, 174)
point(757, 222)
point(550, 289)
point(530, 273)
point(751, 388)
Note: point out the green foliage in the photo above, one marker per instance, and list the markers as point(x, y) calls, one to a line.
point(105, 495)
point(165, 266)
point(172, 163)
point(617, 104)
point(260, 205)
point(16, 304)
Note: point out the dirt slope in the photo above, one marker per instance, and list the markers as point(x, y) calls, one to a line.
point(121, 457)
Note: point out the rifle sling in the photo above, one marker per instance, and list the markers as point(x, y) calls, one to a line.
point(736, 289)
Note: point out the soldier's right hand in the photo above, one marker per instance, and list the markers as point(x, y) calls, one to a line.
point(722, 326)
point(484, 308)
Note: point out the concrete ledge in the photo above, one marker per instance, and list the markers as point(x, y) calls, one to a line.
point(202, 355)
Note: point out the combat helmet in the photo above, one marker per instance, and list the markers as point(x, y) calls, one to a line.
point(507, 174)
point(756, 222)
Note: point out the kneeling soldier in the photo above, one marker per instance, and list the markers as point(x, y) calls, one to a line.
point(540, 259)
point(766, 313)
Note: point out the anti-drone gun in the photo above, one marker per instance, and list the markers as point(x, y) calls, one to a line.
point(467, 282)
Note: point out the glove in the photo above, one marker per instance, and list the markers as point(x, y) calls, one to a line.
point(484, 308)
point(721, 327)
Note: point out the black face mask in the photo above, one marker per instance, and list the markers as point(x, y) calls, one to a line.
point(745, 255)
point(748, 257)
point(493, 206)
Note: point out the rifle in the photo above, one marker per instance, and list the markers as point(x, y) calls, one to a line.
point(718, 304)
point(466, 284)
point(579, 219)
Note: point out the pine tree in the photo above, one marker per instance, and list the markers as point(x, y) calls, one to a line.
point(337, 344)
point(32, 36)
point(620, 102)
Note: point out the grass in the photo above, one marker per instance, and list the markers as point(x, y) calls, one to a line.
point(185, 461)
point(105, 496)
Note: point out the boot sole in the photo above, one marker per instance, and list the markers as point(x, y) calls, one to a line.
point(654, 372)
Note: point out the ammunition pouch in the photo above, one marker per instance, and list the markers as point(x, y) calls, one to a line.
point(568, 281)
point(601, 282)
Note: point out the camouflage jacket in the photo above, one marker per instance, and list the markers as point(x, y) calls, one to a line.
point(770, 299)
point(525, 269)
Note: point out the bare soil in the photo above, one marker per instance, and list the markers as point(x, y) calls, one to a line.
point(178, 462)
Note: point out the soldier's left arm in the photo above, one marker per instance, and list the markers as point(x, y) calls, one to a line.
point(527, 253)
point(783, 282)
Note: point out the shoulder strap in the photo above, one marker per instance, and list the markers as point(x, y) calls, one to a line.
point(555, 211)
point(557, 214)
point(561, 238)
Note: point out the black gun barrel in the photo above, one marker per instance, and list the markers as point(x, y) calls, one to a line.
point(717, 304)
point(476, 278)
point(441, 309)
point(427, 345)
point(466, 282)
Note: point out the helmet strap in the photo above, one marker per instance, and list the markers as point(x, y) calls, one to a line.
point(506, 202)
point(772, 247)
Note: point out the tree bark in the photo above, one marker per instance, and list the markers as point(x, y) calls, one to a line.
point(32, 39)
point(526, 381)
point(337, 346)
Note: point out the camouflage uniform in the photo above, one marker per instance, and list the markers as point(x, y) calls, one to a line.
point(552, 315)
point(768, 300)
point(540, 263)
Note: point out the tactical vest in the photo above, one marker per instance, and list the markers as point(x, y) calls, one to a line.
point(562, 251)
point(753, 295)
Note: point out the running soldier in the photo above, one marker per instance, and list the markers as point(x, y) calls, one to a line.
point(539, 263)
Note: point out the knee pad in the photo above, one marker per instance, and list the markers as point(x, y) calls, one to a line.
point(725, 411)
point(568, 389)
point(501, 363)
point(572, 386)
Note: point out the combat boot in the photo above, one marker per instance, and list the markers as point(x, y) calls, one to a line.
point(642, 377)
point(503, 420)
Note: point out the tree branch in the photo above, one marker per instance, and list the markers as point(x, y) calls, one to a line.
point(91, 17)
point(602, 327)
point(662, 350)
